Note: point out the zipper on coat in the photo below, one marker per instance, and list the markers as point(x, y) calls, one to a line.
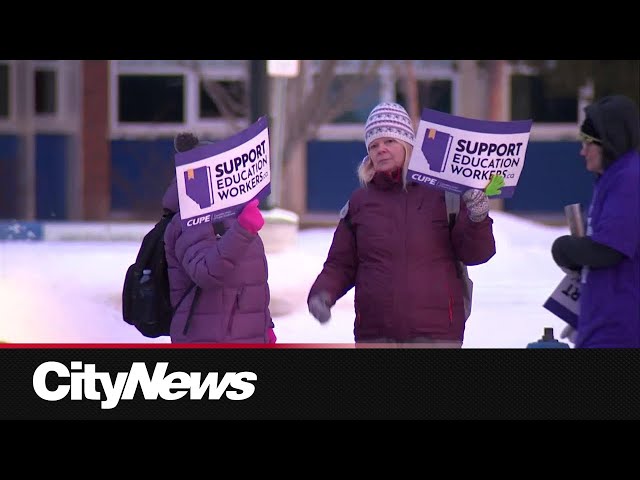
point(405, 253)
point(234, 307)
point(196, 295)
point(450, 298)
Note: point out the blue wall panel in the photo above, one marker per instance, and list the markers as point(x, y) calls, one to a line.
point(141, 171)
point(332, 174)
point(553, 176)
point(51, 177)
point(9, 161)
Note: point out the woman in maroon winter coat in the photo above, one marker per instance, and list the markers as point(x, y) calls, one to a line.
point(223, 279)
point(394, 246)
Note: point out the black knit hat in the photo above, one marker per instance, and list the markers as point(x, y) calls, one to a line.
point(588, 131)
point(185, 141)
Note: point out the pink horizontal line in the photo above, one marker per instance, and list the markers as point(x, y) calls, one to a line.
point(172, 345)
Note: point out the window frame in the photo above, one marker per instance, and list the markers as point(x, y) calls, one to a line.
point(65, 119)
point(424, 70)
point(547, 131)
point(56, 91)
point(22, 113)
point(239, 70)
point(207, 127)
point(8, 123)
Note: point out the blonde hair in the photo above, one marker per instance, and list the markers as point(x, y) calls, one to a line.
point(366, 170)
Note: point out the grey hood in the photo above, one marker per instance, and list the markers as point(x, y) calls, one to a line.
point(617, 121)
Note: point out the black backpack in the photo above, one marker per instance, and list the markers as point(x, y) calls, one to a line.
point(146, 303)
point(145, 298)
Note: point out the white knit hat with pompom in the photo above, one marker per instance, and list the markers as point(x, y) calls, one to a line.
point(388, 119)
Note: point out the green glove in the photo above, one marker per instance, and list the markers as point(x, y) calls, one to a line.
point(495, 186)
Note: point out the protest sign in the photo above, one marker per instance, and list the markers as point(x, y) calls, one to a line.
point(216, 180)
point(456, 153)
point(564, 302)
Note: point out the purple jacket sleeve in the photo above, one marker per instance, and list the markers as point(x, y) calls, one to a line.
point(619, 225)
point(473, 242)
point(339, 271)
point(208, 260)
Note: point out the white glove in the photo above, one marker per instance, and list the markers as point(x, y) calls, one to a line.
point(569, 333)
point(477, 204)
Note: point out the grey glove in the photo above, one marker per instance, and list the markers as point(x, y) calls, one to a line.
point(569, 333)
point(319, 307)
point(477, 204)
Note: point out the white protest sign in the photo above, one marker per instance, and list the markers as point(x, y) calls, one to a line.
point(457, 153)
point(216, 180)
point(564, 302)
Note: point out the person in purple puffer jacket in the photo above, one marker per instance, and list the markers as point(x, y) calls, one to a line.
point(393, 244)
point(225, 275)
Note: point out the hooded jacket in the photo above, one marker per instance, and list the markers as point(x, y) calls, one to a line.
point(615, 118)
point(610, 295)
point(231, 273)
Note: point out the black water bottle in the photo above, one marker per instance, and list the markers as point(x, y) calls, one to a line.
point(146, 315)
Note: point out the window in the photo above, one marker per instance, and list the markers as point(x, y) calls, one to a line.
point(151, 98)
point(437, 82)
point(230, 93)
point(45, 85)
point(358, 105)
point(434, 94)
point(533, 98)
point(4, 91)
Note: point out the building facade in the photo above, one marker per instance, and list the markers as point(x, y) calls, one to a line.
point(93, 140)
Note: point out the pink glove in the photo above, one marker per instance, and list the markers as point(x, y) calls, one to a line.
point(250, 218)
point(272, 336)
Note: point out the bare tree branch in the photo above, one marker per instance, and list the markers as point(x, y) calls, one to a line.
point(317, 109)
point(345, 97)
point(300, 118)
point(228, 106)
point(413, 99)
point(309, 104)
point(232, 110)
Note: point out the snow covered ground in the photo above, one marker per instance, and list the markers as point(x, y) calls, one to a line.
point(69, 291)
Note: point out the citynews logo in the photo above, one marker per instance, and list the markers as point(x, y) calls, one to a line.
point(175, 385)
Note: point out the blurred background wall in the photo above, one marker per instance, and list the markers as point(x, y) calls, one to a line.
point(92, 140)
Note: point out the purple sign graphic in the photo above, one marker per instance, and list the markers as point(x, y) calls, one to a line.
point(435, 148)
point(198, 186)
